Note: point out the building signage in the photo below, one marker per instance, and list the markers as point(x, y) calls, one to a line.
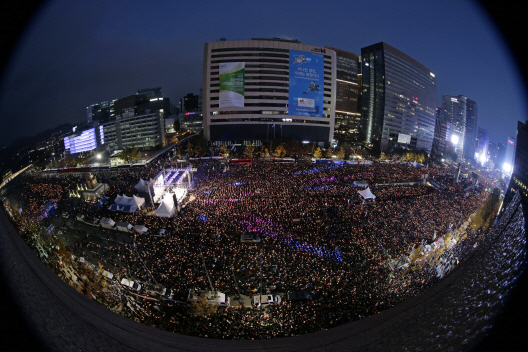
point(306, 84)
point(231, 76)
point(404, 138)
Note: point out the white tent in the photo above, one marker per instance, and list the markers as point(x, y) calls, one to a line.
point(133, 201)
point(141, 185)
point(367, 194)
point(165, 210)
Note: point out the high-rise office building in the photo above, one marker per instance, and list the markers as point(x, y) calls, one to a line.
point(190, 103)
point(267, 89)
point(481, 153)
point(470, 137)
point(398, 99)
point(493, 152)
point(442, 135)
point(519, 178)
point(507, 167)
point(347, 113)
point(130, 103)
point(454, 111)
point(501, 155)
point(101, 112)
point(143, 132)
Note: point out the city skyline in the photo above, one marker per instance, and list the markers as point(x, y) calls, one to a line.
point(77, 54)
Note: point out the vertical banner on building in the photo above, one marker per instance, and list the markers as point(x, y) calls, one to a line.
point(306, 84)
point(231, 84)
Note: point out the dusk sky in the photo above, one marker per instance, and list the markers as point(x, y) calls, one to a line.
point(76, 53)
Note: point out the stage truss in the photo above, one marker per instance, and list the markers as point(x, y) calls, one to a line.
point(170, 184)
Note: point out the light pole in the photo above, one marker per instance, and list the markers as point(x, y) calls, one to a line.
point(260, 260)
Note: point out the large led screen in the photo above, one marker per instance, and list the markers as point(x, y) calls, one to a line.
point(231, 77)
point(86, 141)
point(306, 84)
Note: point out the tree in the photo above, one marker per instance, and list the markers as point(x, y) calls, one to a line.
point(224, 151)
point(190, 149)
point(179, 154)
point(265, 151)
point(280, 151)
point(329, 153)
point(134, 154)
point(201, 306)
point(249, 150)
point(341, 153)
point(176, 126)
point(63, 253)
point(488, 210)
point(317, 153)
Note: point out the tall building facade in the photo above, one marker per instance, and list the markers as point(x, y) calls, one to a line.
point(398, 99)
point(143, 132)
point(268, 89)
point(442, 135)
point(507, 167)
point(454, 111)
point(482, 149)
point(190, 103)
point(347, 113)
point(519, 178)
point(101, 112)
point(470, 138)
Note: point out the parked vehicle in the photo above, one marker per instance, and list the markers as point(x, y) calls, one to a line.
point(213, 297)
point(131, 284)
point(124, 226)
point(250, 238)
point(107, 223)
point(140, 229)
point(108, 275)
point(267, 299)
point(299, 296)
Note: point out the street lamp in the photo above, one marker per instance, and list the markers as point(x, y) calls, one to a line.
point(260, 260)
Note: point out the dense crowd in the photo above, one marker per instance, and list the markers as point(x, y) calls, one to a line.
point(315, 235)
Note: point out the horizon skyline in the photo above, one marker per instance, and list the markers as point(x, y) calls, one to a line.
point(111, 60)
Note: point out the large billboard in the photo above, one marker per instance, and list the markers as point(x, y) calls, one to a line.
point(404, 138)
point(231, 76)
point(306, 84)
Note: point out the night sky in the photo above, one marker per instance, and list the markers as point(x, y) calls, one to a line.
point(76, 53)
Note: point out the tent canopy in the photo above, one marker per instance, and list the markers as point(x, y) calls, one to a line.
point(133, 201)
point(142, 185)
point(165, 210)
point(367, 194)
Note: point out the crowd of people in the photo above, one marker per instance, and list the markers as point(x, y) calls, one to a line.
point(315, 235)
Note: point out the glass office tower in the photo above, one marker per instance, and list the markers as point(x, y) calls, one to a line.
point(398, 100)
point(454, 111)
